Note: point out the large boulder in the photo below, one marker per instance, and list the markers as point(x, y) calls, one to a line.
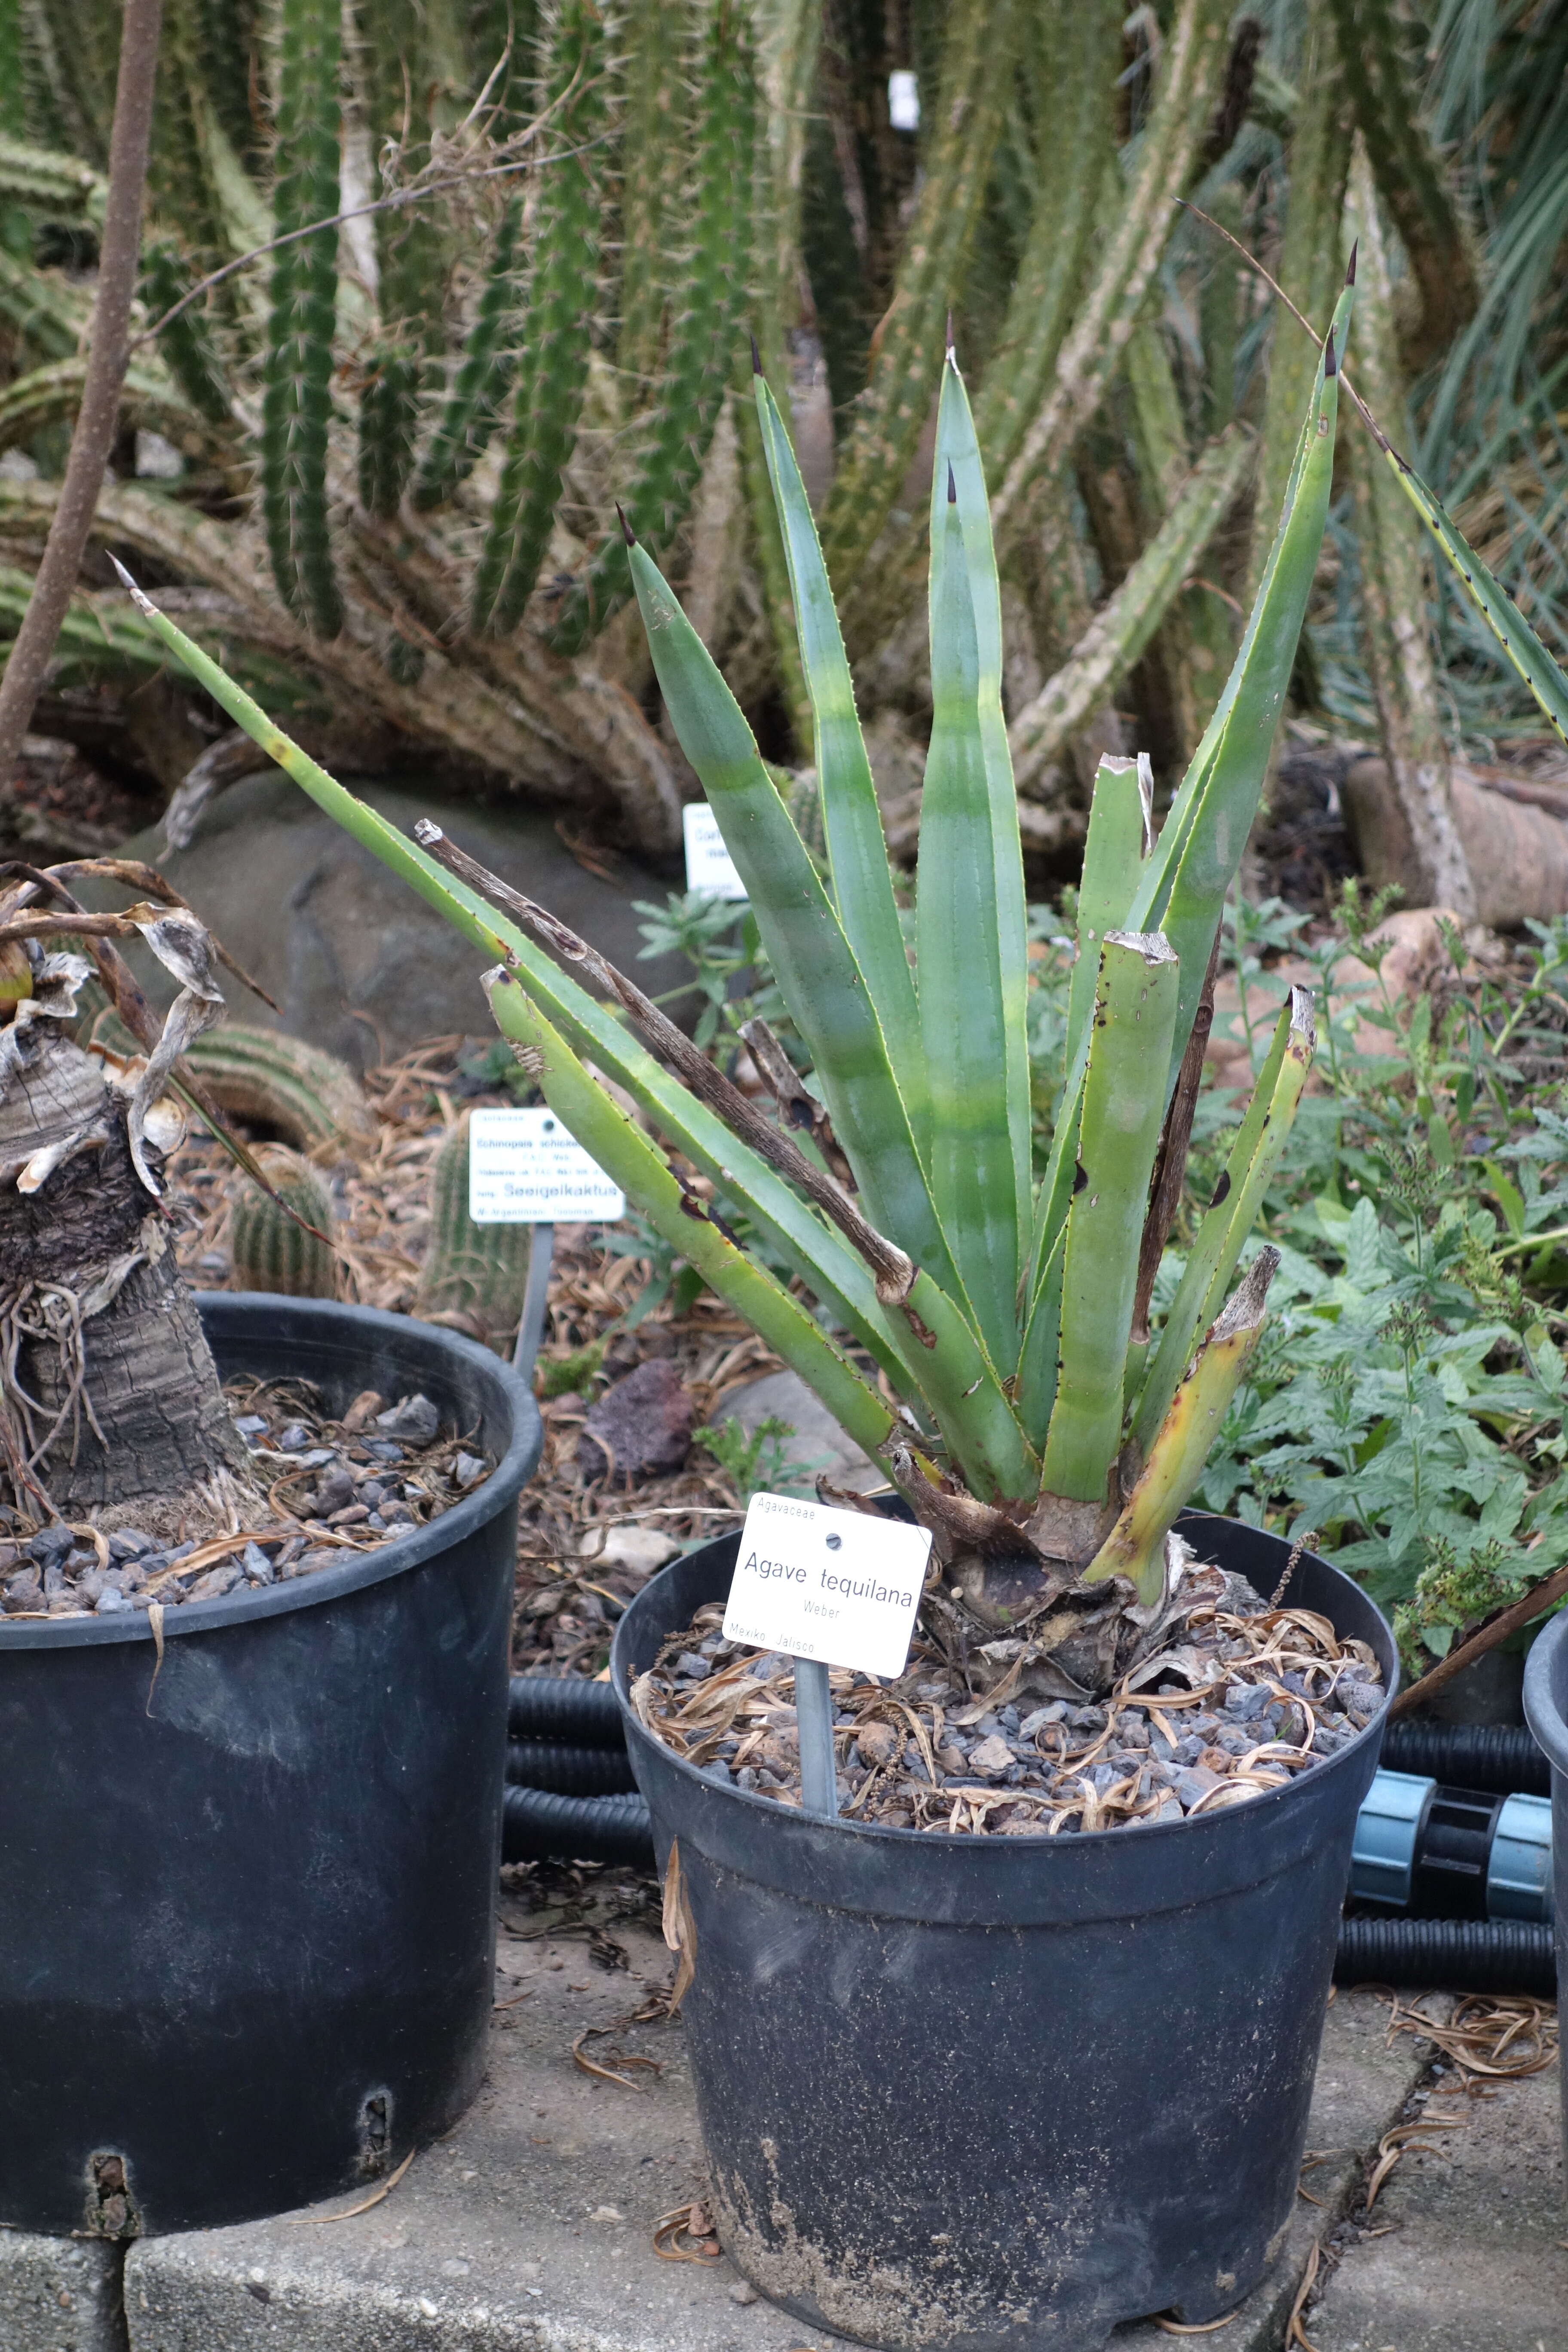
point(357, 961)
point(1513, 831)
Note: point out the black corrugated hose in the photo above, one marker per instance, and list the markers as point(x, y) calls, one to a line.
point(1501, 1757)
point(1458, 1955)
point(567, 1747)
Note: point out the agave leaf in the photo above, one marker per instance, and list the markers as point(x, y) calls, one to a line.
point(832, 1269)
point(1119, 1134)
point(852, 821)
point(1113, 855)
point(1201, 843)
point(812, 961)
point(1135, 1548)
point(958, 465)
point(1513, 633)
point(963, 1005)
point(1254, 1156)
point(930, 1353)
point(637, 1165)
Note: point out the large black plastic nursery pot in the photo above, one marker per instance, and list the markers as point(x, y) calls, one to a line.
point(962, 2094)
point(1546, 1712)
point(247, 1933)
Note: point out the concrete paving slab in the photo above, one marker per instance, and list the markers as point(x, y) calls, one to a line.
point(59, 2295)
point(1473, 2250)
point(530, 2228)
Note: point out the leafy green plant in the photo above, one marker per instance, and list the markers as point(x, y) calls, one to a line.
point(759, 1461)
point(1024, 1409)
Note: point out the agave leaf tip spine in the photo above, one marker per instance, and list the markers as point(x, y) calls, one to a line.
point(1330, 364)
point(628, 533)
point(756, 358)
point(1350, 265)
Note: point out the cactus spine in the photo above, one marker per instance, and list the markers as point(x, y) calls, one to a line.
point(659, 60)
point(269, 1251)
point(700, 361)
point(468, 415)
point(403, 79)
point(297, 403)
point(553, 365)
point(469, 1269)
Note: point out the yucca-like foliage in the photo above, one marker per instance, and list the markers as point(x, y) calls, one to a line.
point(983, 1334)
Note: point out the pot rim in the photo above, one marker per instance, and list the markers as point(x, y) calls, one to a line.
point(1260, 1807)
point(492, 1496)
point(1546, 1718)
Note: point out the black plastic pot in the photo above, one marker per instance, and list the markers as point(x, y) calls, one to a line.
point(972, 2093)
point(247, 1935)
point(1546, 1712)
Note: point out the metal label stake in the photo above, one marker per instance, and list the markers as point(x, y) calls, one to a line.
point(814, 1723)
point(536, 1293)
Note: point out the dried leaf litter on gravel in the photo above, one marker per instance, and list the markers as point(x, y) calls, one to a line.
point(587, 1541)
point(1242, 1705)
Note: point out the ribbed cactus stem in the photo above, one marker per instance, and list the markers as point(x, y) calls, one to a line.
point(268, 1249)
point(473, 402)
point(388, 415)
point(553, 363)
point(15, 224)
point(297, 401)
point(977, 83)
point(189, 350)
point(705, 351)
point(477, 1271)
point(658, 44)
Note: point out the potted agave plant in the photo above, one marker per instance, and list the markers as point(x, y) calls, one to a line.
point(959, 2089)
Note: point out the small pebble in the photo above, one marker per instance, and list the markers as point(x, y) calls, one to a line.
point(295, 1439)
point(111, 1602)
point(413, 1420)
point(691, 1668)
point(742, 2292)
point(467, 1470)
point(50, 1545)
point(255, 1566)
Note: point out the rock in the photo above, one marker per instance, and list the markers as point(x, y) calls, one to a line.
point(1517, 854)
point(216, 1581)
point(742, 2292)
point(1052, 1712)
point(111, 1602)
point(1196, 1783)
point(23, 1594)
point(50, 1545)
point(638, 1552)
point(818, 1442)
point(334, 1490)
point(358, 963)
point(130, 1543)
point(645, 1420)
point(469, 1468)
point(365, 1408)
point(1247, 1699)
point(991, 1757)
point(880, 1743)
point(255, 1565)
point(412, 1421)
point(694, 1669)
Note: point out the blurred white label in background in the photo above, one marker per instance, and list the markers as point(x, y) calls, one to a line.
point(524, 1169)
point(710, 868)
point(903, 101)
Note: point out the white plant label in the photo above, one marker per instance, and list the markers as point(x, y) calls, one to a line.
point(710, 868)
point(837, 1586)
point(525, 1169)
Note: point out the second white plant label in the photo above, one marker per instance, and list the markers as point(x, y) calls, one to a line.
point(837, 1586)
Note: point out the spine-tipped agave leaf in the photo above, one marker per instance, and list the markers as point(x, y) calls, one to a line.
point(811, 958)
point(1123, 1110)
point(852, 821)
point(958, 470)
point(837, 1276)
point(962, 1000)
point(1520, 646)
point(636, 1164)
point(1254, 1156)
point(1135, 1546)
point(1120, 839)
point(1201, 843)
